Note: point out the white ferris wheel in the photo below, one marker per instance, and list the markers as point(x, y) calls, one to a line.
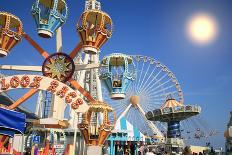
point(153, 83)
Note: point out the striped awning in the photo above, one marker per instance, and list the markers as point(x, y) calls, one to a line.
point(171, 103)
point(133, 134)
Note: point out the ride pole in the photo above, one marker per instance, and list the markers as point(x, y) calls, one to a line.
point(75, 134)
point(22, 145)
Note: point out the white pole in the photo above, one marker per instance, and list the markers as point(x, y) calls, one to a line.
point(59, 40)
point(82, 76)
point(22, 146)
point(91, 77)
point(99, 90)
point(75, 134)
point(58, 104)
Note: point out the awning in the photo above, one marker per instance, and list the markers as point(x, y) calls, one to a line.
point(133, 134)
point(11, 122)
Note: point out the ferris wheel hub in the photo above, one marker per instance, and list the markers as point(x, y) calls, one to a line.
point(134, 100)
point(58, 66)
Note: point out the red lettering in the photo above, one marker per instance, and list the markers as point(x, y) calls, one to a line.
point(76, 104)
point(69, 96)
point(4, 86)
point(62, 92)
point(36, 82)
point(79, 101)
point(14, 82)
point(53, 86)
point(25, 81)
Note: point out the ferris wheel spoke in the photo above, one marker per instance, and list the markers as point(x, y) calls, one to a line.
point(166, 88)
point(127, 116)
point(144, 76)
point(119, 108)
point(151, 103)
point(156, 99)
point(82, 73)
point(76, 50)
point(148, 79)
point(150, 124)
point(21, 68)
point(23, 98)
point(164, 94)
point(165, 82)
point(150, 106)
point(156, 88)
point(150, 83)
point(76, 85)
point(141, 72)
point(151, 86)
point(134, 86)
point(36, 46)
point(130, 89)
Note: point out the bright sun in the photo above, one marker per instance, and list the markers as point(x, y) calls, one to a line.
point(202, 28)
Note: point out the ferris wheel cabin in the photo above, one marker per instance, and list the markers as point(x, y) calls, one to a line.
point(94, 27)
point(49, 15)
point(11, 29)
point(118, 74)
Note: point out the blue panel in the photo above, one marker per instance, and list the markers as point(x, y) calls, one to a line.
point(47, 18)
point(108, 84)
point(12, 120)
point(7, 132)
point(174, 129)
point(123, 123)
point(136, 134)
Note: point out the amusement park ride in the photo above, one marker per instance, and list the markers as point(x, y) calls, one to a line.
point(94, 28)
point(173, 112)
point(131, 85)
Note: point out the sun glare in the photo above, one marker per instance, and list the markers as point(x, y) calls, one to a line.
point(202, 28)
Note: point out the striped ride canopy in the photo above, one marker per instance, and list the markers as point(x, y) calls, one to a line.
point(133, 134)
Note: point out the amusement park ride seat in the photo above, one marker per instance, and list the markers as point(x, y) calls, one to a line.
point(117, 83)
point(49, 16)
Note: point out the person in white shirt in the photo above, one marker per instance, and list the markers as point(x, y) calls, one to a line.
point(149, 153)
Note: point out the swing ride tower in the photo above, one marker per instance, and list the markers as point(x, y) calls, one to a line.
point(172, 113)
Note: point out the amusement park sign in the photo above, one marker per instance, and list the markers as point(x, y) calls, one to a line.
point(38, 82)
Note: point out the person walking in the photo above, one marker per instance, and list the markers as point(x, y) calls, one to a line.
point(120, 150)
point(150, 152)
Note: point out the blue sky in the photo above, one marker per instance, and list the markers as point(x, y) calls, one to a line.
point(155, 28)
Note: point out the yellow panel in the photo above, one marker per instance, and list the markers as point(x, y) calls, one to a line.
point(5, 41)
point(2, 19)
point(47, 3)
point(12, 44)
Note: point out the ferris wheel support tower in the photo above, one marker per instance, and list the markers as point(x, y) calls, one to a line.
point(58, 105)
